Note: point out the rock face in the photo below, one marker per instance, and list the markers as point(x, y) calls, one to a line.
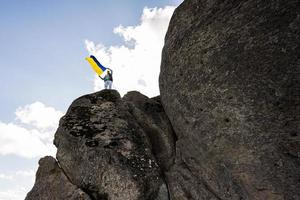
point(104, 148)
point(52, 184)
point(150, 115)
point(230, 84)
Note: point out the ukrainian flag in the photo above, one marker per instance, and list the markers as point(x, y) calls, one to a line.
point(96, 65)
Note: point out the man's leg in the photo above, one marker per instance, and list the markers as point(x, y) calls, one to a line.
point(109, 84)
point(105, 84)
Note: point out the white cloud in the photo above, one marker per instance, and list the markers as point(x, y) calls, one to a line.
point(136, 63)
point(25, 173)
point(16, 184)
point(38, 115)
point(6, 177)
point(14, 194)
point(17, 175)
point(16, 138)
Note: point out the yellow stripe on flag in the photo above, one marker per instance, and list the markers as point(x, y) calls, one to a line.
point(95, 67)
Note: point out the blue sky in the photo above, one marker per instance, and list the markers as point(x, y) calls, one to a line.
point(42, 46)
point(42, 49)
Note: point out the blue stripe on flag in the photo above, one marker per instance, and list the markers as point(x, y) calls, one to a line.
point(98, 63)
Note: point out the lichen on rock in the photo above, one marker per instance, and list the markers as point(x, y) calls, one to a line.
point(102, 149)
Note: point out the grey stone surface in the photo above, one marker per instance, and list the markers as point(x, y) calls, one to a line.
point(52, 184)
point(151, 116)
point(105, 151)
point(229, 83)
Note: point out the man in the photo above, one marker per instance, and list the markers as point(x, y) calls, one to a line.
point(108, 79)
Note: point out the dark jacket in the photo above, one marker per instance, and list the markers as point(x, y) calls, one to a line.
point(108, 77)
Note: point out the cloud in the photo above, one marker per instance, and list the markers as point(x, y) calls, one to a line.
point(136, 63)
point(33, 136)
point(20, 141)
point(15, 194)
point(18, 175)
point(38, 115)
point(6, 177)
point(25, 173)
point(15, 185)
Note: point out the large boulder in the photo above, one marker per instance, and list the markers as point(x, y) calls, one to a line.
point(230, 84)
point(106, 151)
point(52, 184)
